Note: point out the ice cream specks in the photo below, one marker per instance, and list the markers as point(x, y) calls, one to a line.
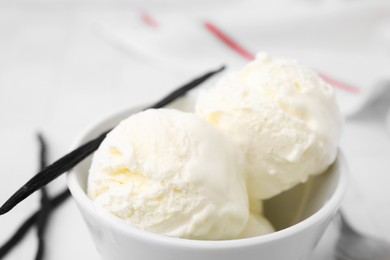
point(171, 173)
point(282, 115)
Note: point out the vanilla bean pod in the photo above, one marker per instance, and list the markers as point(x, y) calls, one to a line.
point(29, 222)
point(70, 160)
point(46, 206)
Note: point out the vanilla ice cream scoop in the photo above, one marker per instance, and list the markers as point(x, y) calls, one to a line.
point(170, 173)
point(258, 224)
point(282, 115)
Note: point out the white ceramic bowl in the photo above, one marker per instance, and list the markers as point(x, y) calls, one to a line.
point(300, 215)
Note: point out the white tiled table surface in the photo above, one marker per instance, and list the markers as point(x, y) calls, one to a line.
point(58, 77)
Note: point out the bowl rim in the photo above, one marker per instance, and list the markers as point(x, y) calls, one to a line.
point(329, 209)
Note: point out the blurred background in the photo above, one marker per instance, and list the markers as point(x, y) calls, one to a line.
point(64, 64)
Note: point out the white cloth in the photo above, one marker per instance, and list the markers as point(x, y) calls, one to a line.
point(347, 41)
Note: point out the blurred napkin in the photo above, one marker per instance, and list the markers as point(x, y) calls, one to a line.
point(388, 122)
point(349, 41)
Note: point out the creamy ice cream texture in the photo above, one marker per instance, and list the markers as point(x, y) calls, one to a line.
point(257, 224)
point(171, 173)
point(269, 127)
point(283, 117)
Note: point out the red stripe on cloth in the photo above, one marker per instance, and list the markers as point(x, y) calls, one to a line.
point(338, 84)
point(240, 50)
point(147, 19)
point(229, 41)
